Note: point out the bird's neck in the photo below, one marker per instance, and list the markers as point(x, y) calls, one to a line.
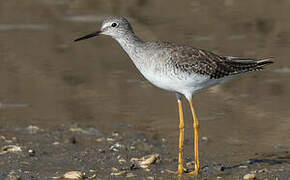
point(130, 42)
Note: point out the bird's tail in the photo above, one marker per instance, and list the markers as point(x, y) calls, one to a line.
point(241, 65)
point(263, 62)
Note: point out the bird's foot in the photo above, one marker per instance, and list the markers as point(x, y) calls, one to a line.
point(194, 172)
point(185, 171)
point(179, 172)
point(182, 171)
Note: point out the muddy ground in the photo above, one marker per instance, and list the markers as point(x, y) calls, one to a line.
point(50, 153)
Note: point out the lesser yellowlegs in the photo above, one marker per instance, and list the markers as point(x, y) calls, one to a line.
point(178, 68)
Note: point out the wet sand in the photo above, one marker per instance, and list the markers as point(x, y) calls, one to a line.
point(81, 95)
point(36, 153)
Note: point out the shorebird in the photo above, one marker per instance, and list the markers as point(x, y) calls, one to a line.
point(181, 69)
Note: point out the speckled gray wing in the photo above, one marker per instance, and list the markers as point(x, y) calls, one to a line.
point(193, 60)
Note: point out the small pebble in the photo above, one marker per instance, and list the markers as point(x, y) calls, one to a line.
point(243, 167)
point(115, 134)
point(73, 175)
point(170, 171)
point(101, 151)
point(75, 129)
point(91, 131)
point(100, 139)
point(145, 161)
point(131, 175)
point(56, 177)
point(92, 176)
point(3, 138)
point(121, 173)
point(190, 165)
point(32, 129)
point(115, 147)
point(25, 162)
point(55, 143)
point(10, 148)
point(114, 169)
point(149, 159)
point(31, 152)
point(249, 176)
point(110, 139)
point(262, 170)
point(122, 161)
point(249, 161)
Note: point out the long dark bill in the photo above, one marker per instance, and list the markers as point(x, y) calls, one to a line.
point(88, 36)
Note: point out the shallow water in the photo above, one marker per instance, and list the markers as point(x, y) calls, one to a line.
point(93, 83)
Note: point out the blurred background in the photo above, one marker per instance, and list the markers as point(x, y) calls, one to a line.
point(48, 80)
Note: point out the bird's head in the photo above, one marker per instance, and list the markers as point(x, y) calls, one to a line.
point(114, 26)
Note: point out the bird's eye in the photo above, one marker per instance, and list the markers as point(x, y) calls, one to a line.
point(114, 24)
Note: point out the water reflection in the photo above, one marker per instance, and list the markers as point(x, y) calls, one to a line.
point(283, 70)
point(85, 19)
point(2, 105)
point(35, 27)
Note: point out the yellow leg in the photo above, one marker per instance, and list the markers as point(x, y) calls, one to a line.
point(181, 138)
point(196, 134)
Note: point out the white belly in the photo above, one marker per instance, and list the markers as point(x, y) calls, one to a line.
point(183, 83)
point(179, 83)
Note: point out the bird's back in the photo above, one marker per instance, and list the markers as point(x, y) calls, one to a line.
point(193, 60)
